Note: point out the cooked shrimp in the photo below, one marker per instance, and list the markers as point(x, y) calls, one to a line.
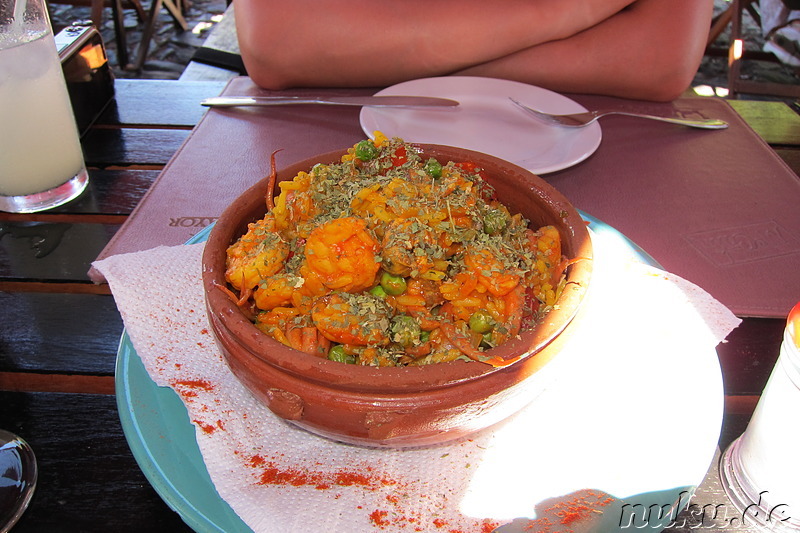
point(281, 323)
point(359, 319)
point(308, 339)
point(260, 253)
point(498, 277)
point(340, 255)
point(276, 291)
point(275, 322)
point(410, 248)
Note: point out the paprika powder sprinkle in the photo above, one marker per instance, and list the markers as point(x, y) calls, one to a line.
point(379, 518)
point(201, 384)
point(404, 506)
point(207, 428)
point(582, 506)
point(189, 388)
point(272, 473)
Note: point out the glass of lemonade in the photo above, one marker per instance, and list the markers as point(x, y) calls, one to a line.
point(41, 162)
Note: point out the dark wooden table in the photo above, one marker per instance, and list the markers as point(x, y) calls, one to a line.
point(59, 332)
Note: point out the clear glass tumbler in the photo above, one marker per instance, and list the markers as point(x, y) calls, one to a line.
point(760, 470)
point(41, 162)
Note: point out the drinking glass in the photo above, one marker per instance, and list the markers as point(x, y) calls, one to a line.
point(760, 470)
point(41, 162)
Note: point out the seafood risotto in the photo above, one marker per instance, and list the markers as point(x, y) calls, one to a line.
point(389, 259)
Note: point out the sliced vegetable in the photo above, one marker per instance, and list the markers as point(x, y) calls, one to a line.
point(339, 354)
point(433, 168)
point(366, 150)
point(405, 330)
point(481, 321)
point(394, 285)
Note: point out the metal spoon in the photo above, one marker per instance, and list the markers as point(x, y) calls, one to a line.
point(579, 120)
point(18, 473)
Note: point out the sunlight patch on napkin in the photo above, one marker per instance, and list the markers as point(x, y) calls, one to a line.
point(280, 478)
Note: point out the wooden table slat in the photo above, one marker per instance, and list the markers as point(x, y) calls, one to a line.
point(59, 333)
point(42, 251)
point(104, 148)
point(112, 194)
point(88, 479)
point(136, 103)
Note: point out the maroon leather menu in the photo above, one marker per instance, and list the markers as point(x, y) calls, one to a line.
point(719, 208)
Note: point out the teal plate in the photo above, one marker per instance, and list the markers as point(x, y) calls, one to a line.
point(162, 438)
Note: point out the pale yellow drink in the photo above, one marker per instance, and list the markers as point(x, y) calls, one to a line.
point(39, 146)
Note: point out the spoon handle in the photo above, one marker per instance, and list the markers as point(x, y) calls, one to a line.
point(711, 123)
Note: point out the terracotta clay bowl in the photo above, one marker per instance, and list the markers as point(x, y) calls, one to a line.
point(400, 406)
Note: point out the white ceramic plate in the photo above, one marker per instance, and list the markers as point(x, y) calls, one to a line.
point(487, 121)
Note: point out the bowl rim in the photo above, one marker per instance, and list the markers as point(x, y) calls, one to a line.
point(250, 206)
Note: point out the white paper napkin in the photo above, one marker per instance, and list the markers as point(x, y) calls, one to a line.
point(648, 346)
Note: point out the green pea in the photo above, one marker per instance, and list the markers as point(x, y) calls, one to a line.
point(378, 291)
point(494, 221)
point(405, 330)
point(481, 321)
point(337, 353)
point(394, 285)
point(424, 336)
point(365, 150)
point(433, 168)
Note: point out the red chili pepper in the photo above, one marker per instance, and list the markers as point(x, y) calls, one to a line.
point(487, 191)
point(399, 157)
point(467, 166)
point(472, 168)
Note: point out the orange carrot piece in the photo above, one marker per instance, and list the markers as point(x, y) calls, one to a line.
point(295, 337)
point(308, 341)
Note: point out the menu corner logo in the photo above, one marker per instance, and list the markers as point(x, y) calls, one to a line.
point(732, 246)
point(191, 222)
